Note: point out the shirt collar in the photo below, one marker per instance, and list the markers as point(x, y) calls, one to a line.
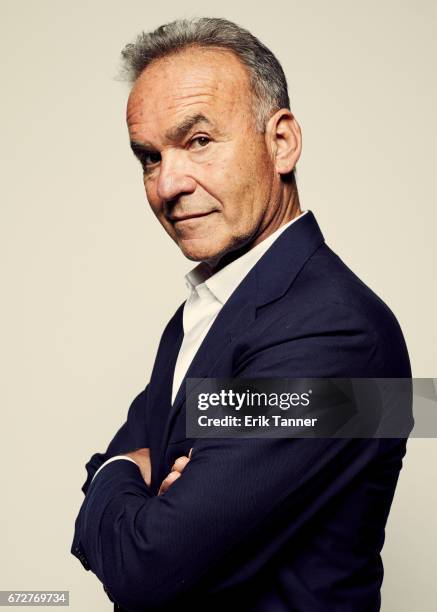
point(224, 282)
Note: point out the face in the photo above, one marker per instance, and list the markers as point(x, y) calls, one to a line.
point(208, 173)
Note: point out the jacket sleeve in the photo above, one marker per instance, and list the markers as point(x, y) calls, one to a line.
point(131, 435)
point(147, 550)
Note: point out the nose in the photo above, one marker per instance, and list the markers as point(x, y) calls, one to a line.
point(173, 178)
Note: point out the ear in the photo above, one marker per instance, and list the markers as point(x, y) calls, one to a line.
point(284, 140)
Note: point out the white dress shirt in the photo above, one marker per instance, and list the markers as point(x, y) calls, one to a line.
point(208, 294)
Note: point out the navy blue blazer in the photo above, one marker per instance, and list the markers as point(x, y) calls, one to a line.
point(260, 525)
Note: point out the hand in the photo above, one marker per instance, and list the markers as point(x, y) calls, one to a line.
point(175, 473)
point(141, 456)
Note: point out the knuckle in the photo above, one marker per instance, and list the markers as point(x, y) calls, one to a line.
point(179, 463)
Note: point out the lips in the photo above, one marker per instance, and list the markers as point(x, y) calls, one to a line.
point(176, 218)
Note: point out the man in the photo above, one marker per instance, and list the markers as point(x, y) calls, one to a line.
point(240, 524)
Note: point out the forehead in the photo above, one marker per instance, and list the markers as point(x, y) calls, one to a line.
point(208, 80)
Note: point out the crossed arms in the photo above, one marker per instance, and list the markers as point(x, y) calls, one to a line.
point(148, 549)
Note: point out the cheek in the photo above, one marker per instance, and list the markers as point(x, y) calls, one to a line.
point(232, 179)
point(152, 197)
point(242, 192)
point(157, 207)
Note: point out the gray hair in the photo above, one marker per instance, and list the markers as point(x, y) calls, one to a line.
point(268, 82)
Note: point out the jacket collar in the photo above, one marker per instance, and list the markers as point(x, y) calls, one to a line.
point(279, 266)
point(222, 284)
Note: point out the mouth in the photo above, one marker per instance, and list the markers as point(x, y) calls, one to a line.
point(181, 218)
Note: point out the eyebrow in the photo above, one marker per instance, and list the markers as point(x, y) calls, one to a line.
point(176, 133)
point(139, 149)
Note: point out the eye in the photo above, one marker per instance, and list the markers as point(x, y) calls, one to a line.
point(149, 158)
point(199, 142)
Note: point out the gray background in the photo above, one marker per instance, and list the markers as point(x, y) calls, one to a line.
point(89, 277)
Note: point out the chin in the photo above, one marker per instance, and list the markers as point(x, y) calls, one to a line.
point(201, 250)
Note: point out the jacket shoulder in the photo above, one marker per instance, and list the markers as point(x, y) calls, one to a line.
point(329, 302)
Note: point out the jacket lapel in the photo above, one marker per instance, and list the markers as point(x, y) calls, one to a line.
point(160, 386)
point(266, 282)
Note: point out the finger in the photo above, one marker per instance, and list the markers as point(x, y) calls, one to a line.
point(167, 482)
point(180, 463)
